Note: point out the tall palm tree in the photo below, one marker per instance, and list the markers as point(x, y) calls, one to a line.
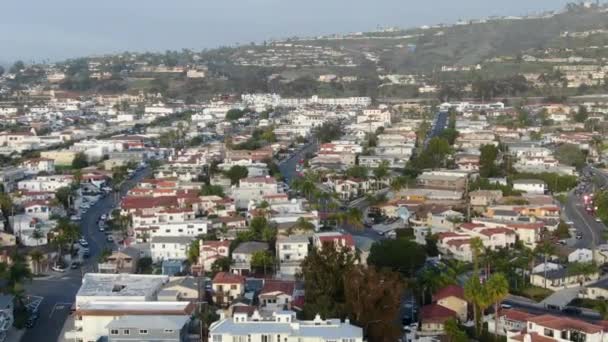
point(497, 289)
point(475, 293)
point(476, 248)
point(36, 256)
point(545, 249)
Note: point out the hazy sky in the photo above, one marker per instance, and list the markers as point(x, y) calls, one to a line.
point(40, 29)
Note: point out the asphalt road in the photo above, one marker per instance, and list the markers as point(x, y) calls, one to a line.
point(288, 166)
point(58, 291)
point(584, 222)
point(439, 124)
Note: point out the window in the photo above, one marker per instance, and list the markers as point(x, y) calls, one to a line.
point(168, 331)
point(233, 287)
point(266, 338)
point(216, 338)
point(143, 332)
point(114, 332)
point(126, 332)
point(548, 332)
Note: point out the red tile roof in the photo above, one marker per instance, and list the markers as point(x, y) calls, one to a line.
point(133, 202)
point(561, 323)
point(283, 286)
point(515, 315)
point(436, 313)
point(228, 278)
point(449, 291)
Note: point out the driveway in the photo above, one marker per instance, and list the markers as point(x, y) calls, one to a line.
point(559, 299)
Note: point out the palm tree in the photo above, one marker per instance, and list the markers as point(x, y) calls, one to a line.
point(475, 293)
point(476, 248)
point(602, 308)
point(36, 256)
point(497, 289)
point(598, 144)
point(354, 217)
point(37, 235)
point(545, 249)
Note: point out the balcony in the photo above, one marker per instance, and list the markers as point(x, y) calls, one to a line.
point(107, 267)
point(74, 335)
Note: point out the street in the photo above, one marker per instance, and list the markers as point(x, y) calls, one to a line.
point(58, 291)
point(584, 222)
point(288, 166)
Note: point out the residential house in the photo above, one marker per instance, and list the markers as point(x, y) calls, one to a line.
point(169, 247)
point(546, 328)
point(242, 255)
point(531, 186)
point(285, 326)
point(277, 295)
point(120, 261)
point(433, 318)
point(452, 297)
point(443, 179)
point(339, 240)
point(291, 251)
point(561, 279)
point(227, 287)
point(173, 328)
point(253, 188)
point(181, 289)
point(596, 291)
point(210, 251)
point(510, 321)
point(483, 198)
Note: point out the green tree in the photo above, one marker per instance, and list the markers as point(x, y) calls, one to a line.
point(487, 161)
point(234, 114)
point(80, 161)
point(212, 190)
point(475, 293)
point(221, 265)
point(570, 154)
point(262, 260)
point(36, 256)
point(6, 204)
point(236, 173)
point(17, 67)
point(453, 332)
point(63, 195)
point(582, 114)
point(323, 271)
point(356, 171)
point(373, 298)
point(562, 231)
point(194, 251)
point(497, 289)
point(404, 256)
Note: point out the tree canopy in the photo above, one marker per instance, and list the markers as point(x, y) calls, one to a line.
point(400, 255)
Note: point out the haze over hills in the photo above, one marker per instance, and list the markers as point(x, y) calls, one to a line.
point(63, 29)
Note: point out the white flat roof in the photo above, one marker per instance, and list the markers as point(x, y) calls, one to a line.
point(128, 285)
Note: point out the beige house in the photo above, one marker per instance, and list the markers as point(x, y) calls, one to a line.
point(562, 279)
point(122, 261)
point(227, 287)
point(484, 198)
point(7, 239)
point(452, 297)
point(61, 157)
point(597, 290)
point(181, 289)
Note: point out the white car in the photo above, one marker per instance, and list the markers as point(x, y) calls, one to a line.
point(75, 218)
point(58, 268)
point(83, 243)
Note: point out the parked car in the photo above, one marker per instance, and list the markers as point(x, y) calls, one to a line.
point(572, 310)
point(83, 243)
point(579, 235)
point(58, 268)
point(75, 265)
point(110, 238)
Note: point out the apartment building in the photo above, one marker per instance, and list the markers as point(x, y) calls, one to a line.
point(254, 188)
point(283, 326)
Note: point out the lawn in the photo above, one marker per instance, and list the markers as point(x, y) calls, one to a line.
point(533, 292)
